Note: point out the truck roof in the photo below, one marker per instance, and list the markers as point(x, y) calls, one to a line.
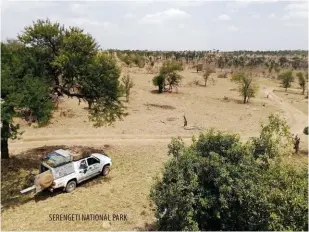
point(60, 157)
point(57, 158)
point(63, 153)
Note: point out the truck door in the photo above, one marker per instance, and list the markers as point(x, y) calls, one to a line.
point(93, 166)
point(83, 172)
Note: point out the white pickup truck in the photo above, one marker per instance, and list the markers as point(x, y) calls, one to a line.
point(64, 169)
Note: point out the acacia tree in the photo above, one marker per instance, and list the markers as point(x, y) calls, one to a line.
point(168, 76)
point(246, 85)
point(286, 79)
point(208, 70)
point(52, 59)
point(301, 81)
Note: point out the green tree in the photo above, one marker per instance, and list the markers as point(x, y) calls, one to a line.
point(159, 81)
point(246, 85)
point(286, 79)
point(52, 59)
point(24, 93)
point(127, 85)
point(217, 184)
point(207, 72)
point(275, 140)
point(168, 75)
point(301, 81)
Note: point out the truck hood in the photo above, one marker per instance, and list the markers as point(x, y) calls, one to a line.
point(102, 157)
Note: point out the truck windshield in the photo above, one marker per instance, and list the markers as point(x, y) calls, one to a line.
point(54, 160)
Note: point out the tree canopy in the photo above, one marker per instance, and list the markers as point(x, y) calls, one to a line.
point(218, 183)
point(47, 59)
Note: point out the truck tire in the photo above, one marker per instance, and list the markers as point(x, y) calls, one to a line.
point(105, 170)
point(71, 186)
point(46, 180)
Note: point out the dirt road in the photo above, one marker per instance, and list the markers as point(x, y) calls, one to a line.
point(296, 119)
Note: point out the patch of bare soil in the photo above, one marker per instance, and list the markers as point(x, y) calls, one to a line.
point(294, 97)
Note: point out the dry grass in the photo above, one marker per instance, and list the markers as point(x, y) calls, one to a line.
point(125, 190)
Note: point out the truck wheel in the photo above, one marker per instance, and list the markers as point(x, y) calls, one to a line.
point(105, 170)
point(70, 186)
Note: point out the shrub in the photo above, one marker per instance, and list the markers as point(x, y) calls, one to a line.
point(217, 184)
point(199, 67)
point(306, 130)
point(301, 81)
point(159, 81)
point(127, 85)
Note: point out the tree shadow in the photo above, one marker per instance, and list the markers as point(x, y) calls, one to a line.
point(289, 91)
point(166, 107)
point(154, 91)
point(147, 227)
point(18, 173)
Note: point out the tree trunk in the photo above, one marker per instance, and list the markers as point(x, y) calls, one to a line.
point(245, 99)
point(286, 89)
point(304, 90)
point(4, 148)
point(90, 104)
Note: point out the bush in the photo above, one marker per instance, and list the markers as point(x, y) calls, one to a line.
point(218, 184)
point(306, 130)
point(159, 81)
point(127, 85)
point(301, 81)
point(199, 67)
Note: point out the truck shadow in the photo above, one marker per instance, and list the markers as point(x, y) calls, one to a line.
point(17, 173)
